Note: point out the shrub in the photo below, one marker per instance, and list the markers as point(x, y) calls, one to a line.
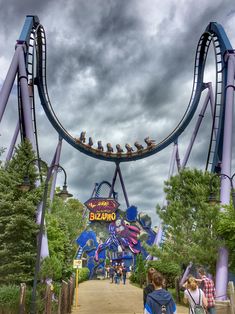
point(9, 299)
point(83, 274)
point(51, 268)
point(169, 270)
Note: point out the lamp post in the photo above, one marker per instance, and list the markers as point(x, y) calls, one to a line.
point(25, 186)
point(212, 197)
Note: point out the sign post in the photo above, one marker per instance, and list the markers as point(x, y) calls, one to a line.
point(77, 263)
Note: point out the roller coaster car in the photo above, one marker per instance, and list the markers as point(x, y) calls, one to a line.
point(119, 148)
point(109, 148)
point(129, 149)
point(100, 146)
point(138, 146)
point(149, 142)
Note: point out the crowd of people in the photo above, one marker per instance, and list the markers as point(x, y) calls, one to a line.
point(117, 274)
point(199, 294)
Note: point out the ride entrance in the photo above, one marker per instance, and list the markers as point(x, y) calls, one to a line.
point(113, 236)
point(122, 230)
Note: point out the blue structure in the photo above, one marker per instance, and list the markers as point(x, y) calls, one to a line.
point(101, 241)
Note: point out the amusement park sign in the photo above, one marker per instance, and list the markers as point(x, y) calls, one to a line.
point(102, 209)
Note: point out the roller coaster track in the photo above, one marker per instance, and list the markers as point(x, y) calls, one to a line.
point(213, 33)
point(100, 188)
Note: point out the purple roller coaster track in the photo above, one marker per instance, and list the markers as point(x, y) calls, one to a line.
point(29, 66)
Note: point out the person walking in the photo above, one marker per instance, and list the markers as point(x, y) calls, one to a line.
point(150, 287)
point(208, 287)
point(194, 296)
point(124, 271)
point(160, 300)
point(119, 275)
point(111, 273)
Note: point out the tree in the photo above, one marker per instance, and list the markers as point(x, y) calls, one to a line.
point(18, 226)
point(64, 224)
point(226, 230)
point(189, 221)
point(70, 212)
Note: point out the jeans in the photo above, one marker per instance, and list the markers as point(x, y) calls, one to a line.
point(211, 310)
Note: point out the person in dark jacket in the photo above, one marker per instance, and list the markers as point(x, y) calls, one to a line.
point(150, 287)
point(159, 301)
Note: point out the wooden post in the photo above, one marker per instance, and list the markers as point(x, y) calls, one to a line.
point(69, 297)
point(231, 295)
point(71, 289)
point(177, 289)
point(76, 292)
point(59, 301)
point(22, 298)
point(48, 299)
point(223, 307)
point(64, 298)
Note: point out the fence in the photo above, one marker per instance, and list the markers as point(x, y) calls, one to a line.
point(227, 306)
point(63, 304)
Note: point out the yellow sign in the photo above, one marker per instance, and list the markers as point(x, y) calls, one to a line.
point(102, 216)
point(77, 263)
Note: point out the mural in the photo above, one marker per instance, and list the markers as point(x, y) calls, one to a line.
point(118, 240)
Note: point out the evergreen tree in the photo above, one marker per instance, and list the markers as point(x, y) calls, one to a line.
point(18, 228)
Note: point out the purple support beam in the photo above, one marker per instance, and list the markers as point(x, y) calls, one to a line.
point(201, 115)
point(212, 105)
point(27, 114)
point(185, 275)
point(8, 83)
point(158, 237)
point(24, 89)
point(13, 142)
point(212, 99)
point(44, 246)
point(173, 159)
point(177, 157)
point(113, 181)
point(222, 262)
point(123, 186)
point(55, 161)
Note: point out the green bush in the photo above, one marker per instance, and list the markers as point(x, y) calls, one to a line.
point(133, 277)
point(169, 270)
point(139, 275)
point(10, 295)
point(51, 268)
point(9, 299)
point(83, 274)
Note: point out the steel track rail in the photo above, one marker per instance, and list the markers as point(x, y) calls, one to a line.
point(214, 32)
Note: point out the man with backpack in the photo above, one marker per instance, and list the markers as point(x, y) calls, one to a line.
point(159, 301)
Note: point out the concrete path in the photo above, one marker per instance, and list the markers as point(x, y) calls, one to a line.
point(102, 297)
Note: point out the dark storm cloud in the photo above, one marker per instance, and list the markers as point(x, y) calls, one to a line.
point(12, 13)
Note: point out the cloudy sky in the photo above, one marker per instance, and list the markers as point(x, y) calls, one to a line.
point(120, 70)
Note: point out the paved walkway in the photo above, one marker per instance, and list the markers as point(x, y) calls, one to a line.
point(102, 297)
